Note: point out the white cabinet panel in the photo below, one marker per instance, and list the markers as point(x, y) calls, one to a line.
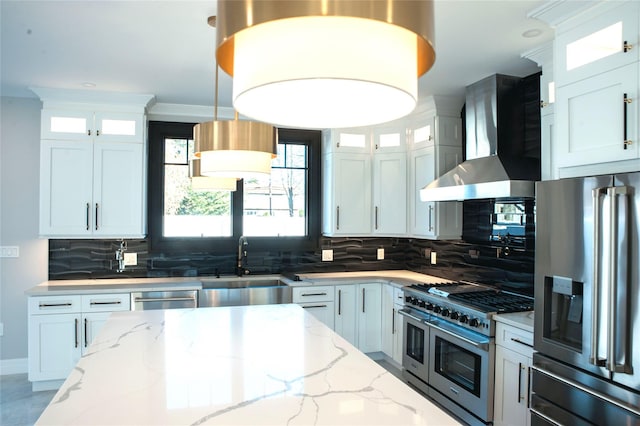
point(346, 318)
point(324, 311)
point(390, 193)
point(590, 119)
point(54, 345)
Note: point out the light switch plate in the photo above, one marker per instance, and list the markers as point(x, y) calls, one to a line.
point(327, 255)
point(130, 259)
point(380, 254)
point(9, 251)
point(433, 257)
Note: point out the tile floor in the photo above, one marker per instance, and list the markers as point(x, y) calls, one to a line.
point(19, 406)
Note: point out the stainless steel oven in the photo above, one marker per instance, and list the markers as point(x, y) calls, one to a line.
point(461, 368)
point(449, 344)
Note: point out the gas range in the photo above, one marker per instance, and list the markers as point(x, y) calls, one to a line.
point(465, 304)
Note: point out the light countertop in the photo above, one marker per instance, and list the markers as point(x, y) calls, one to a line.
point(523, 320)
point(253, 365)
point(115, 285)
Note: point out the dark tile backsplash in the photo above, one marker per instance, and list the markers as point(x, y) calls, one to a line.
point(456, 260)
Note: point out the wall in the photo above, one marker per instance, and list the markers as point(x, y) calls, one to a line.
point(19, 183)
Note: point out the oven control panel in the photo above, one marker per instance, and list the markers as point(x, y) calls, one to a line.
point(453, 312)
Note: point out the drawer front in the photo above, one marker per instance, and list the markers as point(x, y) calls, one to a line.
point(54, 304)
point(514, 338)
point(106, 302)
point(312, 294)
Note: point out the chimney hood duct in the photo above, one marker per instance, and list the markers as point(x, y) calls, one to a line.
point(497, 165)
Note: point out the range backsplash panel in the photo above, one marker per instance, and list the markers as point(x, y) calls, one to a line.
point(455, 260)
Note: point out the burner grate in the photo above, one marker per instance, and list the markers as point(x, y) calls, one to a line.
point(492, 301)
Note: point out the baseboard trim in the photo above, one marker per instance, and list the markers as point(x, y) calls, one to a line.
point(13, 366)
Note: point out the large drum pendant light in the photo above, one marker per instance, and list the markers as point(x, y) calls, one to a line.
point(325, 63)
point(229, 149)
point(207, 183)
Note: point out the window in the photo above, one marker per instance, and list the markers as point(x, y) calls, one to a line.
point(277, 212)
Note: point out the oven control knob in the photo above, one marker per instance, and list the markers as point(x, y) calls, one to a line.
point(422, 303)
point(429, 306)
point(414, 301)
point(408, 299)
point(474, 322)
point(464, 319)
point(437, 309)
point(445, 312)
point(455, 315)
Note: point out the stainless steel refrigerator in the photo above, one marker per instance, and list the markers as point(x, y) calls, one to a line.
point(587, 302)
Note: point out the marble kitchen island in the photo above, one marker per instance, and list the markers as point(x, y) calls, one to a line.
point(251, 365)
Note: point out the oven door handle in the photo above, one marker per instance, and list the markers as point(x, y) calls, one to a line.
point(480, 345)
point(406, 313)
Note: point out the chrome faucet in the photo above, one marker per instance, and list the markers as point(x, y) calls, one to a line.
point(120, 255)
point(242, 256)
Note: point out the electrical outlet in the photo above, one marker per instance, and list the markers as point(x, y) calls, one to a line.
point(433, 257)
point(380, 254)
point(327, 255)
point(130, 259)
point(9, 251)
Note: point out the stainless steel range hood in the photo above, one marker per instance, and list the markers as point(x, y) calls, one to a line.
point(496, 165)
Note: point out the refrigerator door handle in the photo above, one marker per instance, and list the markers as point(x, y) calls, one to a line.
point(595, 287)
point(612, 330)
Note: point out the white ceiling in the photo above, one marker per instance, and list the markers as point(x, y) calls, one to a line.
point(166, 48)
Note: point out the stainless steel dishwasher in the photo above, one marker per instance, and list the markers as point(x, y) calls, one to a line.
point(147, 300)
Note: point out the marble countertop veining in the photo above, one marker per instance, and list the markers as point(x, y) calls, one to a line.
point(255, 365)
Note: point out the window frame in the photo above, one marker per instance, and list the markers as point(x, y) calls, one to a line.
point(161, 130)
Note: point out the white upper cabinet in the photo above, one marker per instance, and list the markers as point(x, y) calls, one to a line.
point(390, 180)
point(92, 165)
point(594, 128)
point(103, 126)
point(596, 41)
point(435, 147)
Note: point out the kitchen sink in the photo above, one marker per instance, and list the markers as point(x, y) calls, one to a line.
point(242, 292)
point(221, 283)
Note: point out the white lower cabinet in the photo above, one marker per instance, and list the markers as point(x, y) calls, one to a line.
point(392, 325)
point(61, 328)
point(318, 301)
point(514, 353)
point(358, 315)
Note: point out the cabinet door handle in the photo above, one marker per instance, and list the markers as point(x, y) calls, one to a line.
point(98, 132)
point(363, 300)
point(88, 132)
point(313, 294)
point(519, 381)
point(314, 306)
point(528, 387)
point(88, 207)
point(430, 218)
point(626, 46)
point(513, 339)
point(54, 305)
point(376, 217)
point(393, 321)
point(96, 216)
point(110, 302)
point(86, 337)
point(338, 217)
point(626, 101)
point(339, 302)
point(75, 337)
